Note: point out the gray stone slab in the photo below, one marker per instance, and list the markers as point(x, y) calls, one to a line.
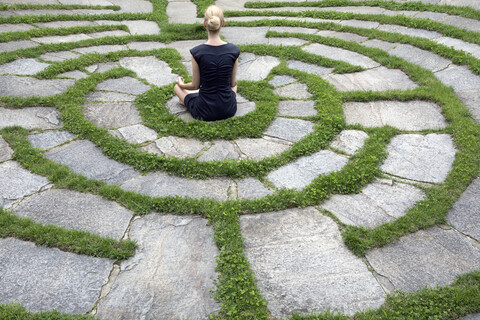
point(286, 41)
point(467, 3)
point(471, 99)
point(465, 215)
point(409, 31)
point(112, 114)
point(423, 58)
point(86, 2)
point(85, 158)
point(142, 27)
point(144, 46)
point(411, 115)
point(75, 210)
point(425, 258)
point(62, 39)
point(301, 172)
point(244, 106)
point(255, 68)
point(74, 75)
point(17, 45)
point(257, 149)
point(220, 150)
point(293, 91)
point(378, 203)
point(109, 97)
point(5, 151)
point(278, 81)
point(355, 9)
point(16, 183)
point(103, 49)
point(302, 265)
point(437, 16)
point(475, 316)
point(334, 53)
point(30, 118)
point(250, 188)
point(160, 184)
point(245, 35)
point(59, 56)
point(44, 279)
point(126, 85)
point(294, 30)
point(342, 35)
point(171, 275)
point(296, 108)
point(112, 33)
point(134, 6)
point(462, 23)
point(101, 67)
point(151, 69)
point(308, 68)
point(50, 139)
point(289, 129)
point(135, 134)
point(360, 24)
point(349, 141)
point(422, 158)
point(459, 77)
point(378, 79)
point(379, 44)
point(177, 147)
point(15, 86)
point(183, 47)
point(181, 12)
point(65, 24)
point(16, 27)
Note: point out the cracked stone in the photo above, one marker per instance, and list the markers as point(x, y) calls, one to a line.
point(23, 67)
point(50, 139)
point(257, 149)
point(125, 85)
point(289, 129)
point(151, 69)
point(464, 216)
point(250, 188)
point(293, 91)
point(30, 118)
point(5, 151)
point(221, 150)
point(349, 141)
point(255, 68)
point(296, 108)
point(136, 134)
point(112, 114)
point(309, 68)
point(15, 86)
point(177, 147)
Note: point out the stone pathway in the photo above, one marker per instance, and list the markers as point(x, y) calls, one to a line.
point(297, 255)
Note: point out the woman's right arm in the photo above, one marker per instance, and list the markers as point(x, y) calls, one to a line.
point(195, 84)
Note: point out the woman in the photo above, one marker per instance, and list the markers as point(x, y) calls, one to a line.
point(214, 72)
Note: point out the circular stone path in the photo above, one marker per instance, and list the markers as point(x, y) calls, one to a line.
point(347, 127)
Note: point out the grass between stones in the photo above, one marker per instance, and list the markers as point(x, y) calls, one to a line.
point(236, 289)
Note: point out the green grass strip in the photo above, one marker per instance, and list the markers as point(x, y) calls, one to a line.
point(18, 6)
point(18, 312)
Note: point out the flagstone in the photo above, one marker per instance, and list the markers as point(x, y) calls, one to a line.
point(181, 12)
point(286, 41)
point(44, 279)
point(16, 183)
point(59, 56)
point(458, 44)
point(183, 47)
point(464, 215)
point(467, 3)
point(145, 46)
point(50, 139)
point(379, 202)
point(5, 151)
point(109, 33)
point(459, 77)
point(177, 147)
point(135, 134)
point(255, 68)
point(297, 256)
point(15, 86)
point(65, 24)
point(462, 23)
point(74, 210)
point(250, 188)
point(289, 129)
point(409, 31)
point(106, 96)
point(423, 58)
point(379, 44)
point(85, 158)
point(17, 45)
point(257, 149)
point(334, 53)
point(294, 30)
point(245, 35)
point(102, 49)
point(101, 67)
point(220, 150)
point(418, 157)
point(475, 316)
point(278, 81)
point(309, 68)
point(296, 108)
point(471, 99)
point(293, 91)
point(349, 141)
point(23, 67)
point(76, 74)
point(142, 27)
point(133, 6)
point(16, 27)
point(342, 35)
point(411, 115)
point(30, 118)
point(151, 69)
point(112, 114)
point(61, 39)
point(301, 172)
point(437, 16)
point(244, 106)
point(425, 258)
point(172, 274)
point(125, 85)
point(360, 24)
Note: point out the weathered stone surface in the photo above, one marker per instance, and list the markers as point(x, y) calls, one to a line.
point(475, 316)
point(28, 87)
point(379, 44)
point(378, 79)
point(101, 67)
point(294, 90)
point(411, 115)
point(467, 3)
point(49, 279)
point(459, 77)
point(75, 210)
point(257, 149)
point(349, 141)
point(464, 216)
point(342, 35)
point(62, 39)
point(298, 256)
point(425, 258)
point(65, 24)
point(144, 46)
point(151, 69)
point(286, 41)
point(50, 139)
point(5, 151)
point(278, 81)
point(341, 54)
point(462, 23)
point(181, 12)
point(141, 27)
point(84, 158)
point(255, 68)
point(423, 158)
point(244, 106)
point(160, 184)
point(171, 275)
point(301, 172)
point(177, 147)
point(134, 6)
point(16, 27)
point(183, 47)
point(23, 67)
point(250, 188)
point(109, 96)
point(471, 99)
point(294, 30)
point(309, 68)
point(296, 108)
point(378, 203)
point(112, 114)
point(76, 74)
point(30, 118)
point(135, 134)
point(16, 183)
point(59, 56)
point(101, 49)
point(360, 24)
point(289, 129)
point(409, 31)
point(221, 150)
point(423, 58)
point(245, 35)
point(125, 85)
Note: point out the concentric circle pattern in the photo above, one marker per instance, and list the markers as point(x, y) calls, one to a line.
point(347, 182)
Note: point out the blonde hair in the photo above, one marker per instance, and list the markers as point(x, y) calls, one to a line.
point(213, 18)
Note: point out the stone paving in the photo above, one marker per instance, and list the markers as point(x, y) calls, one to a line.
point(297, 255)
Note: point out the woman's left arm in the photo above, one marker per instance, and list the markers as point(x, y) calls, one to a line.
point(233, 80)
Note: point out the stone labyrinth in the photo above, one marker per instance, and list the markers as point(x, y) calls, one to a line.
point(350, 171)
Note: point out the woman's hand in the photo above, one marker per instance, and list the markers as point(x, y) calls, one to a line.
point(180, 82)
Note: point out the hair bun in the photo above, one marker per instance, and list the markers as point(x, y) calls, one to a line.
point(213, 18)
point(213, 23)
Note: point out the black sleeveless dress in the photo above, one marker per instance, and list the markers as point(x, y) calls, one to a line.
point(215, 100)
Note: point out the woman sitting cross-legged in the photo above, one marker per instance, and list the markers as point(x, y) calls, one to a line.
point(214, 72)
